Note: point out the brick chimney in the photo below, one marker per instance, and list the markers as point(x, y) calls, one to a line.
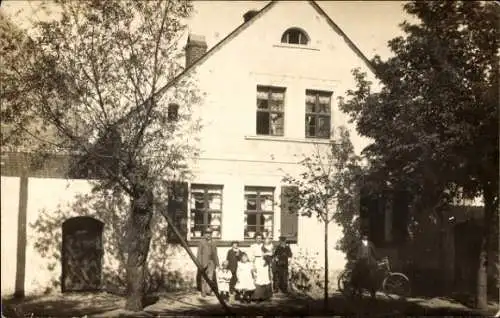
point(196, 46)
point(249, 15)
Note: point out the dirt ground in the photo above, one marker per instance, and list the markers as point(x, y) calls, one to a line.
point(190, 303)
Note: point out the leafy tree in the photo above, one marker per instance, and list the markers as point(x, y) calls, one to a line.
point(12, 40)
point(435, 121)
point(100, 77)
point(327, 188)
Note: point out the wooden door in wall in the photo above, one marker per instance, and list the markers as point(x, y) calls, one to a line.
point(81, 255)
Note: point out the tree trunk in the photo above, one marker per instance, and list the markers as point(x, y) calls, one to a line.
point(138, 240)
point(325, 295)
point(482, 278)
point(482, 271)
point(442, 251)
point(198, 265)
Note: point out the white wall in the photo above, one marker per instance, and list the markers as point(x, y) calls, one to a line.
point(9, 189)
point(50, 201)
point(47, 195)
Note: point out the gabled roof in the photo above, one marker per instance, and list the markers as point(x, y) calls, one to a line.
point(246, 24)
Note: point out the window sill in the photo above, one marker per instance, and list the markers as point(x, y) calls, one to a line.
point(222, 243)
point(285, 139)
point(296, 46)
point(228, 243)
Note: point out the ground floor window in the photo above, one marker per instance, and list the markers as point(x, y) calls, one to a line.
point(206, 210)
point(259, 211)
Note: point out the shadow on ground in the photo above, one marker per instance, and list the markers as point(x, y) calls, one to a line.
point(338, 305)
point(107, 305)
point(68, 305)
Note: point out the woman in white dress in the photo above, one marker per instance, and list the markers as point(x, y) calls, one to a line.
point(261, 254)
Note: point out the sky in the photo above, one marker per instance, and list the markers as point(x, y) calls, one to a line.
point(370, 24)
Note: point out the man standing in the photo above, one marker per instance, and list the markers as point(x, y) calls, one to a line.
point(208, 259)
point(366, 262)
point(281, 256)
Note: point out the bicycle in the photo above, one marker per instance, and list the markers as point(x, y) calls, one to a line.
point(390, 283)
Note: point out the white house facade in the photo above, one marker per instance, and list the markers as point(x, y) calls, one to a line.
point(271, 89)
point(271, 97)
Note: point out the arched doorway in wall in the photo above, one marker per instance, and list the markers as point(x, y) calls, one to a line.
point(81, 254)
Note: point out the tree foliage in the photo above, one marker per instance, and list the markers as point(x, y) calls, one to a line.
point(99, 77)
point(327, 181)
point(327, 189)
point(435, 121)
point(12, 41)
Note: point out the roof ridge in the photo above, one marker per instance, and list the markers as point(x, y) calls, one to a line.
point(245, 24)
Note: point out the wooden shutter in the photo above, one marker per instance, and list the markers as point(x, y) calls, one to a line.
point(289, 213)
point(177, 210)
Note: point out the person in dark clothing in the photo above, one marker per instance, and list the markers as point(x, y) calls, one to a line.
point(208, 259)
point(281, 256)
point(233, 257)
point(365, 266)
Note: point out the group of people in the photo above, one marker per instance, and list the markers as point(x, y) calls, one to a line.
point(250, 276)
point(263, 270)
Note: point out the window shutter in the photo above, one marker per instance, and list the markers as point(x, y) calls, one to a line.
point(289, 213)
point(177, 210)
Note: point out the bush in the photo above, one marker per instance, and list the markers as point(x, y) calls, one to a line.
point(308, 276)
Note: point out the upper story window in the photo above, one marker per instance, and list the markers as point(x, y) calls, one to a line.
point(295, 36)
point(318, 114)
point(173, 112)
point(270, 110)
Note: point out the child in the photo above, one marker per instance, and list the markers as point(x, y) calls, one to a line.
point(223, 279)
point(245, 275)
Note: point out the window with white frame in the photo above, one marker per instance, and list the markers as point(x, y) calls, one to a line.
point(270, 110)
point(206, 210)
point(318, 114)
point(259, 211)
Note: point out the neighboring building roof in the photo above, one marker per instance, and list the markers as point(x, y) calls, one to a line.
point(246, 24)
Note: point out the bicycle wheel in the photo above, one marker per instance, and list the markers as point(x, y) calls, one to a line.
point(397, 284)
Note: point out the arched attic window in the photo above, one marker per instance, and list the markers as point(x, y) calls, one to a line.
point(295, 36)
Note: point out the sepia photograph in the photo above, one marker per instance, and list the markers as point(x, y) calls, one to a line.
point(249, 158)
